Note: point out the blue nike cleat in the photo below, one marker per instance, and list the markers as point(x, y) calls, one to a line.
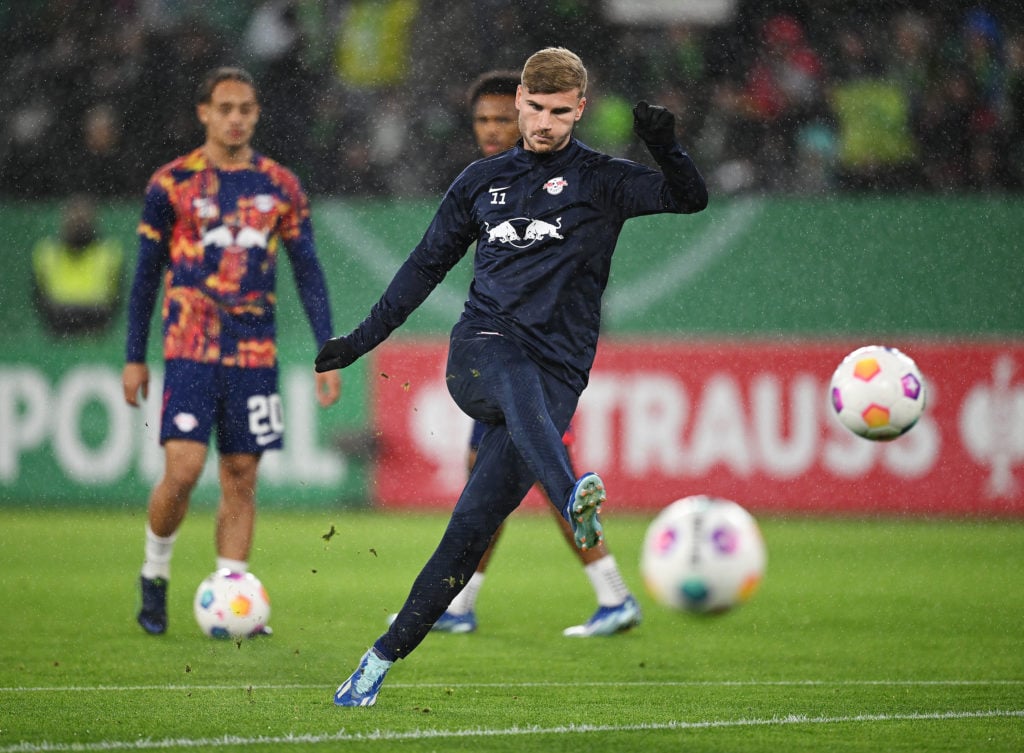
point(456, 623)
point(608, 621)
point(153, 615)
point(587, 497)
point(362, 687)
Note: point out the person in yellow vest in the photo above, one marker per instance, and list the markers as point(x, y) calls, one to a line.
point(78, 276)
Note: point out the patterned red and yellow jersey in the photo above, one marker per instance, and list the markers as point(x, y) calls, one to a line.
point(215, 237)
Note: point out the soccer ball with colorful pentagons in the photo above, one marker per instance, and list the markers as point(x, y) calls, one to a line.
point(877, 392)
point(703, 554)
point(231, 605)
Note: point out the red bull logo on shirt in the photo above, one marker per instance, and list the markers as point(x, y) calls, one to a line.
point(523, 232)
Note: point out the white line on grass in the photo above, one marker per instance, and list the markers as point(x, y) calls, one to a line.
point(636, 296)
point(511, 685)
point(439, 734)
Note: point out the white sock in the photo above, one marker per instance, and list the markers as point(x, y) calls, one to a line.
point(607, 581)
point(235, 566)
point(157, 563)
point(465, 601)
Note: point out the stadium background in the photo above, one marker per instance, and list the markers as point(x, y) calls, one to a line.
point(804, 266)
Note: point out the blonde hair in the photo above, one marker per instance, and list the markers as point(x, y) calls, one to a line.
point(553, 70)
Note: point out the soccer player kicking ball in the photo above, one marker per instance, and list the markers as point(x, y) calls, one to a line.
point(545, 216)
point(492, 101)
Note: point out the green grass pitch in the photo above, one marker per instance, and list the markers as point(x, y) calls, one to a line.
point(866, 635)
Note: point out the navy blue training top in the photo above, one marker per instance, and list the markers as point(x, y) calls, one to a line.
point(545, 227)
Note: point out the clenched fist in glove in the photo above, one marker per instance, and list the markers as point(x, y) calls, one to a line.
point(656, 125)
point(336, 354)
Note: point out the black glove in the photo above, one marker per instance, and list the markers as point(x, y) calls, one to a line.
point(336, 354)
point(654, 124)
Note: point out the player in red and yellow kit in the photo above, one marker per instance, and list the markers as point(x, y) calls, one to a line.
point(213, 225)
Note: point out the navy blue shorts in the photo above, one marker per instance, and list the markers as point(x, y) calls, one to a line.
point(243, 404)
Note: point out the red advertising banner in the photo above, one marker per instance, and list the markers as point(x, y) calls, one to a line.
point(745, 420)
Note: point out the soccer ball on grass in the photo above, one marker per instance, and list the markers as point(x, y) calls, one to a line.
point(877, 393)
point(703, 554)
point(231, 605)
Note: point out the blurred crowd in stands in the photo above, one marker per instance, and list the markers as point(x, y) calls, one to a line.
point(367, 97)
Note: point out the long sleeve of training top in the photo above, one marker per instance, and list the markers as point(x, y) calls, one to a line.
point(545, 227)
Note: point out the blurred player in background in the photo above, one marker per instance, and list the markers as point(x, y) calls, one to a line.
point(213, 224)
point(492, 101)
point(545, 217)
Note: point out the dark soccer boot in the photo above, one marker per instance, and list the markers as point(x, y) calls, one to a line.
point(153, 615)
